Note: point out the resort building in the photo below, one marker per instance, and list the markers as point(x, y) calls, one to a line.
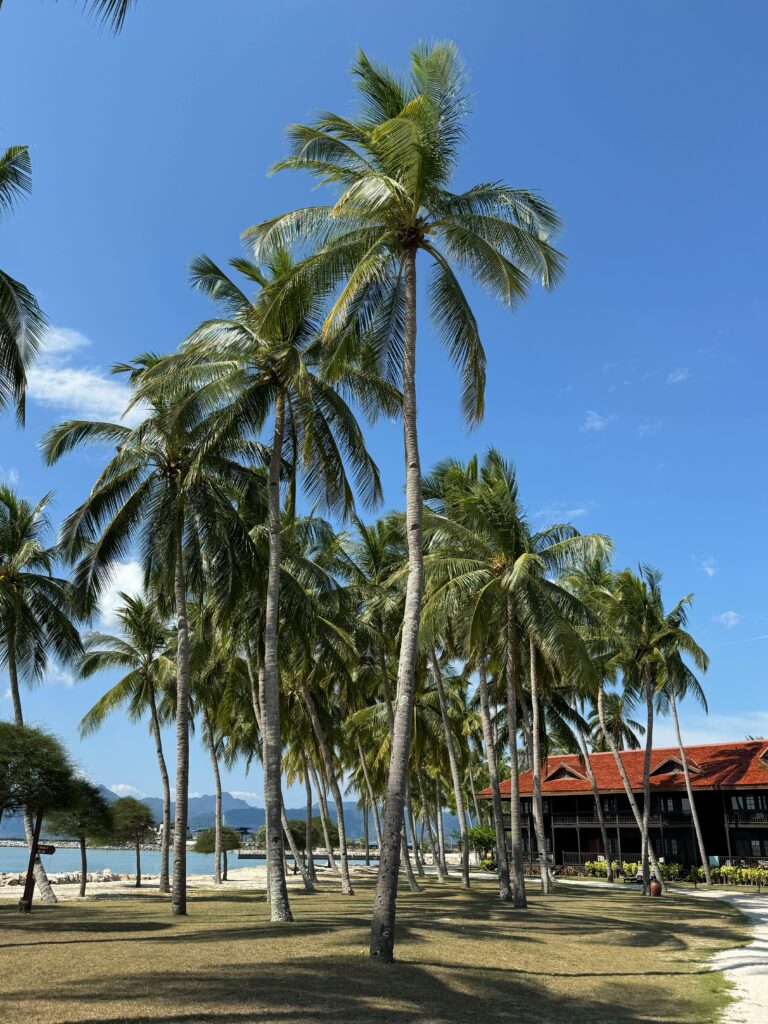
point(730, 786)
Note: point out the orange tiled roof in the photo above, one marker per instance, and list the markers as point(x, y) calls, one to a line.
point(712, 765)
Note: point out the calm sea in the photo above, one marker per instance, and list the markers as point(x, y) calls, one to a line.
point(123, 862)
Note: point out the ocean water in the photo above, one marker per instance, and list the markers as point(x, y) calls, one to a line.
point(123, 862)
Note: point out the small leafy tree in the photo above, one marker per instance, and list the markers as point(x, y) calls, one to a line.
point(86, 815)
point(482, 840)
point(133, 822)
point(35, 774)
point(205, 842)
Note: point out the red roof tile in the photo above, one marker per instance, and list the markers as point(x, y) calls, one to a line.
point(722, 766)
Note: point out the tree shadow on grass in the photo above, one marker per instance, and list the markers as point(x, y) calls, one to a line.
point(330, 990)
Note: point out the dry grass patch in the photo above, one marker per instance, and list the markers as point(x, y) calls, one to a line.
point(582, 955)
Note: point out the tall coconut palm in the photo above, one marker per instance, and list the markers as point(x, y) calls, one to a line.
point(37, 623)
point(168, 489)
point(651, 643)
point(392, 167)
point(262, 366)
point(488, 567)
point(142, 645)
point(22, 323)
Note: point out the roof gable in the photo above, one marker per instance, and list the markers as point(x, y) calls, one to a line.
point(564, 771)
point(672, 765)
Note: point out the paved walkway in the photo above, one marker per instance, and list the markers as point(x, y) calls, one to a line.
point(746, 966)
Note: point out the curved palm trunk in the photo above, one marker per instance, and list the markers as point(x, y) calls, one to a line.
point(322, 802)
point(505, 892)
point(278, 890)
point(645, 836)
point(405, 856)
point(298, 860)
point(440, 829)
point(689, 790)
point(383, 923)
point(453, 765)
point(47, 894)
point(412, 827)
point(538, 806)
point(366, 835)
point(596, 796)
point(426, 821)
point(472, 787)
point(179, 889)
point(608, 737)
point(371, 797)
point(83, 866)
point(165, 842)
point(138, 864)
point(217, 823)
point(308, 837)
point(330, 771)
point(515, 824)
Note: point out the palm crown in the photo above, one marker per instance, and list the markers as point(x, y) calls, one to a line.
point(393, 166)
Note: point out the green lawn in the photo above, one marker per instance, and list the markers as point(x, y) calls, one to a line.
point(582, 955)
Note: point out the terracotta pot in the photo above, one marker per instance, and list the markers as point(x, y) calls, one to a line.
point(655, 888)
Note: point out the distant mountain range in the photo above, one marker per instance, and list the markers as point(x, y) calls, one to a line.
point(236, 812)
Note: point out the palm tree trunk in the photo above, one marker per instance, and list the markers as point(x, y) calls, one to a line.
point(383, 924)
point(278, 890)
point(472, 789)
point(179, 890)
point(369, 788)
point(505, 892)
point(645, 834)
point(596, 796)
point(440, 828)
point(453, 765)
point(83, 866)
point(538, 807)
point(412, 826)
point(217, 805)
point(426, 821)
point(298, 860)
point(138, 864)
point(41, 878)
point(309, 841)
point(165, 842)
point(330, 771)
point(689, 790)
point(366, 835)
point(325, 818)
point(515, 824)
point(405, 856)
point(608, 736)
point(225, 862)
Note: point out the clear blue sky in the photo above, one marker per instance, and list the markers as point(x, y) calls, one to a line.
point(632, 399)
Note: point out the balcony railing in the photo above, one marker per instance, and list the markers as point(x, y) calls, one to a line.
point(747, 817)
point(656, 818)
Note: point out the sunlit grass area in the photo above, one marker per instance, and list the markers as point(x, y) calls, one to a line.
point(590, 955)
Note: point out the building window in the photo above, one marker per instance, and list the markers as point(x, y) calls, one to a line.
point(673, 848)
point(756, 846)
point(686, 805)
point(609, 804)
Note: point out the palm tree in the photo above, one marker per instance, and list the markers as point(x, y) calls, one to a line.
point(168, 487)
point(22, 323)
point(681, 682)
point(36, 617)
point(260, 365)
point(393, 166)
point(651, 644)
point(142, 647)
point(488, 569)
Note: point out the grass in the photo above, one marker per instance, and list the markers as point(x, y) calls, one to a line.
point(581, 955)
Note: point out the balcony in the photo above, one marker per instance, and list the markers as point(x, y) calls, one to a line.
point(740, 818)
point(612, 820)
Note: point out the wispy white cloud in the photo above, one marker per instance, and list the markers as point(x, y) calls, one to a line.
point(127, 578)
point(728, 619)
point(679, 375)
point(125, 789)
point(55, 675)
point(707, 565)
point(650, 427)
point(7, 694)
point(9, 476)
point(247, 795)
point(595, 421)
point(59, 381)
point(560, 512)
